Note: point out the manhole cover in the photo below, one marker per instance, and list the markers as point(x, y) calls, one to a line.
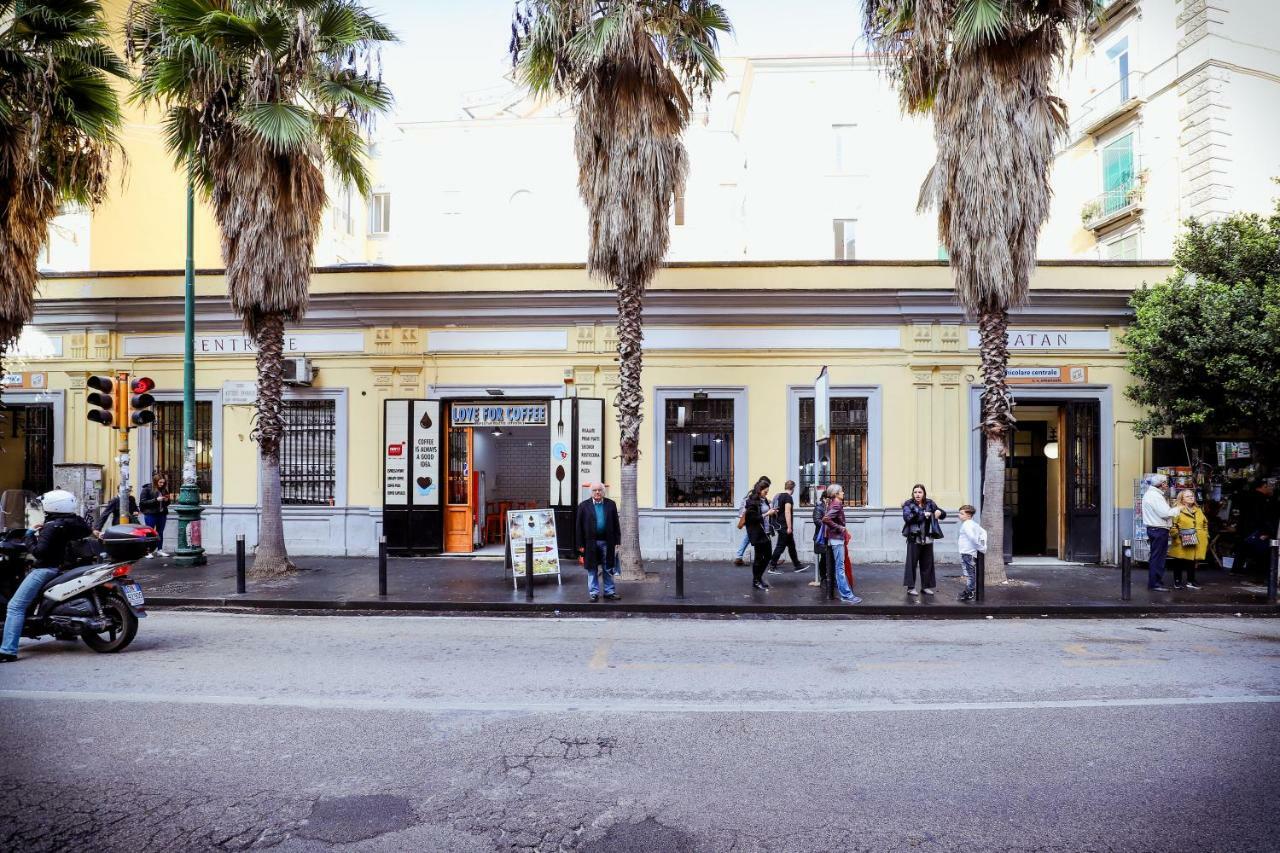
point(344, 819)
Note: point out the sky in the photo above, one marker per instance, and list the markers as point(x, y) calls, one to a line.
point(452, 47)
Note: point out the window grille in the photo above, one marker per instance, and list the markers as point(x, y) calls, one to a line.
point(699, 452)
point(308, 457)
point(849, 446)
point(167, 451)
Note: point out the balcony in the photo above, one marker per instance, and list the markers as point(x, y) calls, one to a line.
point(1113, 207)
point(1110, 105)
point(1110, 12)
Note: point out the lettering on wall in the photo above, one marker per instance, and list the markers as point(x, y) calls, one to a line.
point(520, 414)
point(425, 484)
point(1052, 339)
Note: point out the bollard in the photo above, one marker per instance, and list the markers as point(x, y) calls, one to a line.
point(528, 570)
point(382, 565)
point(240, 563)
point(1273, 571)
point(980, 580)
point(832, 568)
point(679, 568)
point(1126, 569)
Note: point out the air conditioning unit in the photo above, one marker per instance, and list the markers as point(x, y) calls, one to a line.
point(298, 371)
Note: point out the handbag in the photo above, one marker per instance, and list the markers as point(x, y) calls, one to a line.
point(935, 529)
point(848, 562)
point(1187, 537)
point(742, 521)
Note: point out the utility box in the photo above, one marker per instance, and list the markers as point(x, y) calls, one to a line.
point(83, 480)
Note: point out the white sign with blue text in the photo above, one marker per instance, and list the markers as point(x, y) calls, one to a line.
point(483, 414)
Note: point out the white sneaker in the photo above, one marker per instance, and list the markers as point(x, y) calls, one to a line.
point(162, 553)
point(151, 555)
point(928, 592)
point(1192, 586)
point(913, 591)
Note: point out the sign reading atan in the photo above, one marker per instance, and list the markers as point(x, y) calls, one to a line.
point(522, 414)
point(1052, 339)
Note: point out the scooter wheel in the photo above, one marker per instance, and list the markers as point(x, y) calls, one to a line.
point(124, 627)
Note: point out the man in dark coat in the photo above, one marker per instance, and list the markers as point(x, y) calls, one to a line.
point(597, 534)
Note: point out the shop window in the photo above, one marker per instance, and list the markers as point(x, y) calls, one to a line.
point(699, 452)
point(380, 213)
point(167, 450)
point(308, 455)
point(845, 241)
point(847, 464)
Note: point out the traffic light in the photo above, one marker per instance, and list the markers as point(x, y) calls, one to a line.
point(140, 402)
point(102, 396)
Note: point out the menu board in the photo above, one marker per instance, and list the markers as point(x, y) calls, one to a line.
point(538, 526)
point(395, 464)
point(560, 424)
point(590, 444)
point(425, 484)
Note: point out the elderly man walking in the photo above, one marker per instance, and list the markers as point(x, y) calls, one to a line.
point(598, 534)
point(1156, 514)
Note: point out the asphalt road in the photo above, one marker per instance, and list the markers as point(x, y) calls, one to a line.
point(224, 732)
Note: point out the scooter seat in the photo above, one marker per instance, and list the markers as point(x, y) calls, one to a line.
point(63, 577)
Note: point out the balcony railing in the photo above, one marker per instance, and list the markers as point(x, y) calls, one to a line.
point(1113, 206)
point(1099, 110)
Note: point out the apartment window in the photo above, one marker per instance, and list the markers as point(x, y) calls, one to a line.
point(699, 452)
point(380, 213)
point(846, 146)
point(1123, 249)
point(846, 462)
point(1118, 56)
point(167, 456)
point(677, 208)
point(1117, 173)
point(308, 457)
point(845, 242)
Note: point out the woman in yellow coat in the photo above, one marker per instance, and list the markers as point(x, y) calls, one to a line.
point(1188, 540)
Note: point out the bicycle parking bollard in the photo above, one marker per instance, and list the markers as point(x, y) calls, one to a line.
point(1126, 571)
point(980, 582)
point(240, 563)
point(1273, 571)
point(382, 565)
point(679, 568)
point(528, 570)
point(832, 568)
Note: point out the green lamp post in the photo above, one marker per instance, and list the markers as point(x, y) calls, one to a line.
point(190, 552)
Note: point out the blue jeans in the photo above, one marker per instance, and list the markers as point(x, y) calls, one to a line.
point(969, 569)
point(742, 549)
point(1159, 539)
point(837, 566)
point(157, 521)
point(602, 566)
point(17, 612)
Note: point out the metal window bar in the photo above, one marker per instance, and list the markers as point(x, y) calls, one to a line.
point(849, 437)
point(34, 425)
point(699, 452)
point(167, 451)
point(308, 458)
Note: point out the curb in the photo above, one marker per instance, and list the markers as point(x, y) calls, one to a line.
point(674, 608)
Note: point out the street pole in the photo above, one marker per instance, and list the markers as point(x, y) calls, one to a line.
point(190, 552)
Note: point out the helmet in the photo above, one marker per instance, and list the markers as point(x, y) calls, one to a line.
point(60, 500)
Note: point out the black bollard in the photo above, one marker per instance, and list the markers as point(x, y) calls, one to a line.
point(679, 568)
point(1126, 570)
point(382, 565)
point(528, 570)
point(240, 563)
point(980, 580)
point(832, 568)
point(1273, 571)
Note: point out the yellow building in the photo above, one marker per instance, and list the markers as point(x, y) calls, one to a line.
point(732, 351)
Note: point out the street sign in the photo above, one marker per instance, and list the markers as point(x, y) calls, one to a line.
point(239, 393)
point(822, 406)
point(1049, 375)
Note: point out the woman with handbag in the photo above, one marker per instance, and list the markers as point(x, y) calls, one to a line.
point(755, 517)
point(837, 533)
point(1189, 542)
point(920, 517)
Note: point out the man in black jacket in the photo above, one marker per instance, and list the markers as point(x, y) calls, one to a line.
point(47, 545)
point(597, 533)
point(112, 511)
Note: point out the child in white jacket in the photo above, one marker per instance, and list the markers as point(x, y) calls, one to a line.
point(972, 539)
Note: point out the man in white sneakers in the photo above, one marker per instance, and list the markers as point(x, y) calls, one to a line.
point(972, 540)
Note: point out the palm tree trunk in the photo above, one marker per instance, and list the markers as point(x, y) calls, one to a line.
point(997, 420)
point(629, 403)
point(271, 559)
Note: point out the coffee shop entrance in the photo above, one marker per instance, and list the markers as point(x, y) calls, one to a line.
point(454, 467)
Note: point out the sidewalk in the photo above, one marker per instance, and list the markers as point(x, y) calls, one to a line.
point(452, 584)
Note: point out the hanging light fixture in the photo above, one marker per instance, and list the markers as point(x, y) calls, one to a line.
point(1051, 446)
point(496, 432)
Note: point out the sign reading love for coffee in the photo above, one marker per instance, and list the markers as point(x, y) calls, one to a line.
point(519, 414)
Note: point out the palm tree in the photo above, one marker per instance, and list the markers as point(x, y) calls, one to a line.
point(260, 97)
point(631, 69)
point(59, 117)
point(984, 69)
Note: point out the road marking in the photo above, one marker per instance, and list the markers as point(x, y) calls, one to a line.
point(434, 706)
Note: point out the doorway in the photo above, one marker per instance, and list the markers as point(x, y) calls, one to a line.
point(26, 447)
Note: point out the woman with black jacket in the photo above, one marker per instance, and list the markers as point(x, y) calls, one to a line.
point(757, 516)
point(918, 517)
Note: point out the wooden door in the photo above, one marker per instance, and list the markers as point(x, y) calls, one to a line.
point(1082, 471)
point(458, 513)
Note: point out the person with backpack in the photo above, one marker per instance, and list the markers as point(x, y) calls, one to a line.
point(784, 528)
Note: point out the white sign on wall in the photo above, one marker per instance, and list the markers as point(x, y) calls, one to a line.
point(1052, 339)
point(560, 425)
point(236, 393)
point(425, 476)
point(395, 466)
point(295, 343)
point(590, 445)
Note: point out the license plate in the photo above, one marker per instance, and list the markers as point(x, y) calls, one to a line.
point(133, 593)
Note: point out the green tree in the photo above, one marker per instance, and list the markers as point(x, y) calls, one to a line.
point(984, 70)
point(1204, 347)
point(260, 97)
point(630, 68)
point(59, 119)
